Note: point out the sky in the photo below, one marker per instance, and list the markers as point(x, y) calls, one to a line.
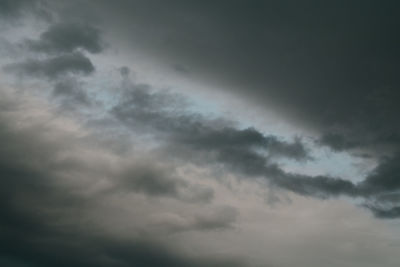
point(199, 133)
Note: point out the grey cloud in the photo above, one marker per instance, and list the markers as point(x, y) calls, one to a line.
point(181, 69)
point(68, 37)
point(124, 71)
point(318, 186)
point(222, 218)
point(141, 108)
point(159, 114)
point(382, 187)
point(385, 213)
point(157, 180)
point(197, 193)
point(11, 8)
point(338, 142)
point(250, 137)
point(216, 219)
point(237, 149)
point(331, 67)
point(53, 67)
point(12, 12)
point(385, 177)
point(151, 179)
point(71, 90)
point(42, 217)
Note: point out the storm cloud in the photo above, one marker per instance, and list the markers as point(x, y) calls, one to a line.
point(182, 133)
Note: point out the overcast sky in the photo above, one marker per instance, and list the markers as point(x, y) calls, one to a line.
point(199, 133)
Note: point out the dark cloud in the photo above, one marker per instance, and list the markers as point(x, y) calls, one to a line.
point(385, 177)
point(338, 142)
point(53, 67)
point(244, 151)
point(42, 222)
point(71, 91)
point(382, 187)
point(222, 218)
point(12, 8)
point(156, 180)
point(124, 71)
point(142, 108)
point(68, 37)
point(181, 69)
point(318, 186)
point(151, 180)
point(389, 213)
point(331, 67)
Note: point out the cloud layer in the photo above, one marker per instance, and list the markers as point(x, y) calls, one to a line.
point(100, 165)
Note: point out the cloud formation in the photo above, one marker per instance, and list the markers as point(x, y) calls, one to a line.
point(99, 168)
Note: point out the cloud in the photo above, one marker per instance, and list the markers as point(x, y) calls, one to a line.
point(181, 69)
point(239, 150)
point(124, 71)
point(385, 213)
point(221, 218)
point(67, 38)
point(71, 91)
point(331, 69)
point(245, 151)
point(53, 67)
point(337, 142)
point(160, 180)
point(70, 198)
point(385, 177)
point(141, 109)
point(11, 8)
point(47, 202)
